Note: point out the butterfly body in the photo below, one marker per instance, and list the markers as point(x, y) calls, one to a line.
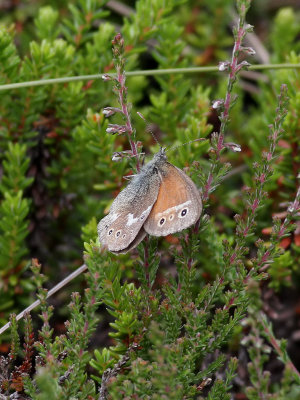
point(160, 200)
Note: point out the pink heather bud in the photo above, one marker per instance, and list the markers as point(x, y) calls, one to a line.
point(242, 65)
point(246, 189)
point(118, 39)
point(217, 104)
point(114, 128)
point(122, 129)
point(106, 77)
point(108, 111)
point(262, 178)
point(233, 146)
point(118, 155)
point(224, 66)
point(111, 129)
point(255, 204)
point(249, 50)
point(237, 217)
point(245, 64)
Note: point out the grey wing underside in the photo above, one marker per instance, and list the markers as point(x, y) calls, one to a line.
point(122, 229)
point(136, 241)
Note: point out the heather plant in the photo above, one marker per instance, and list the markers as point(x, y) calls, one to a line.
point(193, 315)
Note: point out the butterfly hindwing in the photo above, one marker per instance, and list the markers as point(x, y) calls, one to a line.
point(178, 204)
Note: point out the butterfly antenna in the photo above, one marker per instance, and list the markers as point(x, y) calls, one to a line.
point(183, 144)
point(149, 128)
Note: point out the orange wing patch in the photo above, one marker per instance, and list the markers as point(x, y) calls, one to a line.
point(172, 192)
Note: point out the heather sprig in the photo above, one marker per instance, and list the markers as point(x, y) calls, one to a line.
point(278, 345)
point(258, 350)
point(13, 373)
point(71, 348)
point(260, 342)
point(234, 66)
point(109, 373)
point(44, 345)
point(120, 89)
point(254, 197)
point(219, 170)
point(15, 339)
point(268, 252)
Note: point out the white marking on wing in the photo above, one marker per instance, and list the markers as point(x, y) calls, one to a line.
point(114, 216)
point(131, 220)
point(171, 209)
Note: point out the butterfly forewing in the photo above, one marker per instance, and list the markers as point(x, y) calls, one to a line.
point(121, 228)
point(178, 204)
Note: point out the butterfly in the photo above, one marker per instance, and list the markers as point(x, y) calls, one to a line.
point(160, 200)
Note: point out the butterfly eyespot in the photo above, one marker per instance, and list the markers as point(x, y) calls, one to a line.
point(110, 232)
point(155, 170)
point(118, 233)
point(161, 221)
point(171, 217)
point(183, 213)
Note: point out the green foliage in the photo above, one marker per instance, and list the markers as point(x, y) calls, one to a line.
point(69, 349)
point(14, 209)
point(9, 58)
point(284, 34)
point(280, 271)
point(46, 23)
point(259, 353)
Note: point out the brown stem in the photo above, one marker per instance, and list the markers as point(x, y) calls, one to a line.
point(146, 262)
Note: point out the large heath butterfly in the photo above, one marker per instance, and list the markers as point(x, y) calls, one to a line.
point(161, 199)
